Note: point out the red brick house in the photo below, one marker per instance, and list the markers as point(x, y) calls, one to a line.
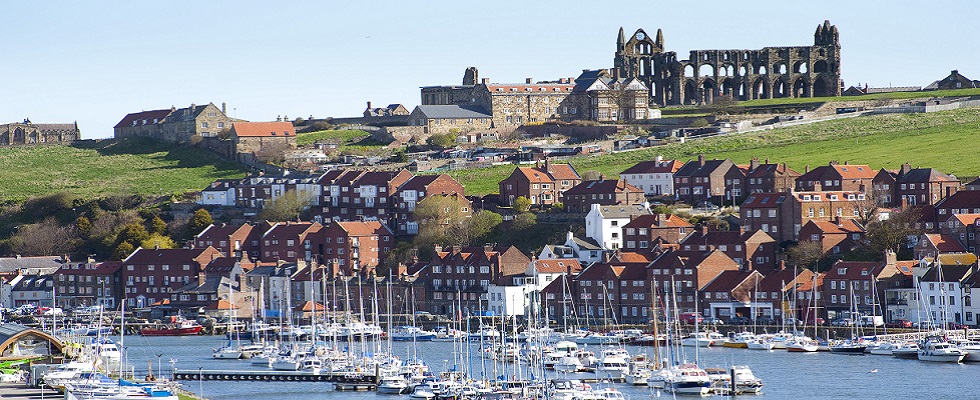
point(783, 215)
point(89, 283)
point(643, 230)
point(150, 275)
point(410, 193)
point(921, 186)
point(769, 178)
point(233, 240)
point(348, 195)
point(776, 290)
point(688, 272)
point(837, 177)
point(932, 244)
point(965, 228)
point(540, 184)
point(459, 277)
point(851, 285)
point(702, 180)
point(726, 295)
point(961, 202)
point(355, 246)
point(750, 249)
point(835, 237)
point(607, 192)
point(289, 241)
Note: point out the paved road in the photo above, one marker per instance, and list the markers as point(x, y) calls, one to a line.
point(18, 391)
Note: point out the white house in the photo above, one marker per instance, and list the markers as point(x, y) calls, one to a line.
point(653, 177)
point(517, 295)
point(586, 251)
point(943, 294)
point(220, 193)
point(604, 224)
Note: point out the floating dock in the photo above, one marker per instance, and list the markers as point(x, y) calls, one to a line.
point(347, 380)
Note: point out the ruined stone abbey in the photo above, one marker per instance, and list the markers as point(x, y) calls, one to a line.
point(773, 72)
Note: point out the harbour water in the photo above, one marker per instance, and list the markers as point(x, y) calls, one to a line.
point(786, 375)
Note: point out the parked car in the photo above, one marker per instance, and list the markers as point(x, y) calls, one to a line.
point(691, 317)
point(841, 322)
point(712, 321)
point(925, 325)
point(739, 321)
point(899, 323)
point(765, 321)
point(956, 325)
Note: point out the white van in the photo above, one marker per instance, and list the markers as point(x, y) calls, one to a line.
point(871, 320)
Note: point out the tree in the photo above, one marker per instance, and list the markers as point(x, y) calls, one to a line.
point(723, 104)
point(869, 206)
point(805, 254)
point(524, 221)
point(894, 232)
point(273, 152)
point(482, 225)
point(522, 204)
point(287, 207)
point(46, 238)
point(442, 141)
point(201, 219)
point(158, 241)
point(84, 226)
point(438, 216)
point(158, 226)
point(591, 175)
point(122, 251)
point(133, 233)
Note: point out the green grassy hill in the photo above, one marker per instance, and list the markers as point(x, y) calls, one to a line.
point(947, 141)
point(96, 168)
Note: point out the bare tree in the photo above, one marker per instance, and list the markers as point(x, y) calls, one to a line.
point(869, 207)
point(45, 238)
point(805, 254)
point(893, 232)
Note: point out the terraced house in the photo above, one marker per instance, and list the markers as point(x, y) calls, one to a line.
point(459, 278)
point(176, 125)
point(541, 184)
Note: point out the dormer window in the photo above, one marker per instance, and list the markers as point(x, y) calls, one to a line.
point(841, 271)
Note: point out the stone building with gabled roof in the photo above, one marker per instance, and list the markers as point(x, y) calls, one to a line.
point(29, 133)
point(176, 125)
point(440, 119)
point(253, 137)
point(953, 81)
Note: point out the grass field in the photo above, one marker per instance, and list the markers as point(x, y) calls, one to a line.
point(93, 169)
point(345, 136)
point(947, 141)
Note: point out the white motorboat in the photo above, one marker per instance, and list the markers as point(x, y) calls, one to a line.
point(908, 350)
point(704, 339)
point(881, 349)
point(393, 385)
point(972, 349)
point(745, 380)
point(740, 340)
point(423, 391)
point(560, 350)
point(614, 364)
point(938, 349)
point(285, 363)
point(568, 364)
point(687, 379)
point(802, 345)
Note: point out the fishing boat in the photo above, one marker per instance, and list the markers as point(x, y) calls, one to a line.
point(178, 326)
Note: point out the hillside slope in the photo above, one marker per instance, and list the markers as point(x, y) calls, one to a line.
point(96, 168)
point(943, 140)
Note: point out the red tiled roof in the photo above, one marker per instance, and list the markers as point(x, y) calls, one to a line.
point(727, 281)
point(557, 266)
point(264, 129)
point(165, 256)
point(846, 226)
point(221, 304)
point(853, 171)
point(944, 243)
point(362, 228)
point(632, 257)
point(654, 167)
point(653, 220)
point(967, 219)
point(140, 117)
point(535, 87)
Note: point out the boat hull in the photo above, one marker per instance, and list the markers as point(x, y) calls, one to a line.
point(194, 330)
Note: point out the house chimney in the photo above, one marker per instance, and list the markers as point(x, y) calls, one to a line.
point(754, 163)
point(527, 81)
point(906, 167)
point(806, 168)
point(369, 105)
point(890, 258)
point(701, 159)
point(485, 81)
point(201, 278)
point(224, 108)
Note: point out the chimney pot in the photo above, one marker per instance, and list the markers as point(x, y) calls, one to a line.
point(527, 81)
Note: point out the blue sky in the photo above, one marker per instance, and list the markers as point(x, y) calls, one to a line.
point(95, 61)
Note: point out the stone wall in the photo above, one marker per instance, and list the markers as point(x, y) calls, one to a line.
point(579, 133)
point(526, 107)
